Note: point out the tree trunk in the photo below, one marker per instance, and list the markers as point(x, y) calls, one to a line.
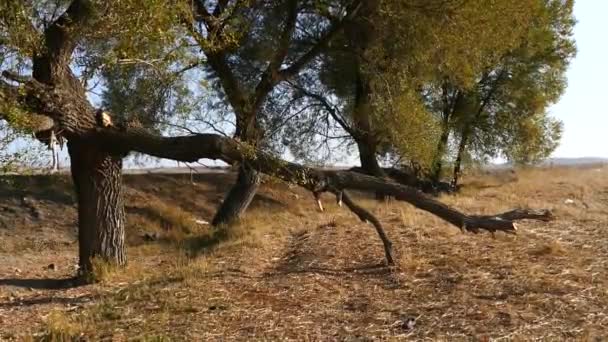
point(239, 197)
point(101, 217)
point(440, 152)
point(458, 162)
point(369, 163)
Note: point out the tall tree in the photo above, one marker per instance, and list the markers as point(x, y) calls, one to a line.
point(249, 46)
point(507, 107)
point(49, 39)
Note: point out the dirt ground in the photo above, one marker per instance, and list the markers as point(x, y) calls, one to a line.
point(290, 272)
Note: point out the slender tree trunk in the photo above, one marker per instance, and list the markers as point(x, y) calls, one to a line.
point(247, 183)
point(442, 145)
point(238, 198)
point(458, 163)
point(101, 217)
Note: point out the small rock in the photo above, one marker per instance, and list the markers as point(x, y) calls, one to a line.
point(569, 201)
point(407, 324)
point(150, 237)
point(51, 267)
point(201, 222)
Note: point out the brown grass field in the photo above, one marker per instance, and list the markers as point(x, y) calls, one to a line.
point(289, 272)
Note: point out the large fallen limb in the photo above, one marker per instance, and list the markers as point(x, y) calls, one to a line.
point(77, 118)
point(212, 146)
point(368, 217)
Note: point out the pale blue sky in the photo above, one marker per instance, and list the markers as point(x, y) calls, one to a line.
point(584, 108)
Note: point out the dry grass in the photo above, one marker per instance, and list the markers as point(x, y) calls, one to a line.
point(289, 272)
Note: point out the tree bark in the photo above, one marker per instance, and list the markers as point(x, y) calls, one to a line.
point(442, 145)
point(369, 163)
point(241, 194)
point(238, 198)
point(101, 217)
point(360, 33)
point(458, 163)
point(96, 173)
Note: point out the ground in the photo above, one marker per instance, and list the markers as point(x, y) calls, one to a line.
point(290, 272)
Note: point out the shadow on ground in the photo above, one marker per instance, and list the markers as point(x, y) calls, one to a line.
point(43, 283)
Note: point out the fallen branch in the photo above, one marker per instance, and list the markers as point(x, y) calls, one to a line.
point(368, 217)
point(527, 214)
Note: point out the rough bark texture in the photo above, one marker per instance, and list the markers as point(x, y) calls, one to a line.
point(101, 217)
point(96, 173)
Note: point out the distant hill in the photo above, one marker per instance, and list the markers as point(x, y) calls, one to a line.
point(575, 161)
point(557, 162)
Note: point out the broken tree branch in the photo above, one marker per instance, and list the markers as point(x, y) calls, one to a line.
point(368, 217)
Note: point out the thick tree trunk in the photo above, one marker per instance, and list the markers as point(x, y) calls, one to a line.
point(369, 163)
point(101, 216)
point(238, 198)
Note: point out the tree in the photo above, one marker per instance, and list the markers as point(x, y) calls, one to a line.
point(249, 45)
point(508, 103)
point(96, 173)
point(50, 39)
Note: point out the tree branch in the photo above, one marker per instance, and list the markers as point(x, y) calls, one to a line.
point(270, 76)
point(296, 66)
point(368, 217)
point(352, 131)
point(212, 146)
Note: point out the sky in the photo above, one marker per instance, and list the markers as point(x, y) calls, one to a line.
point(583, 108)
